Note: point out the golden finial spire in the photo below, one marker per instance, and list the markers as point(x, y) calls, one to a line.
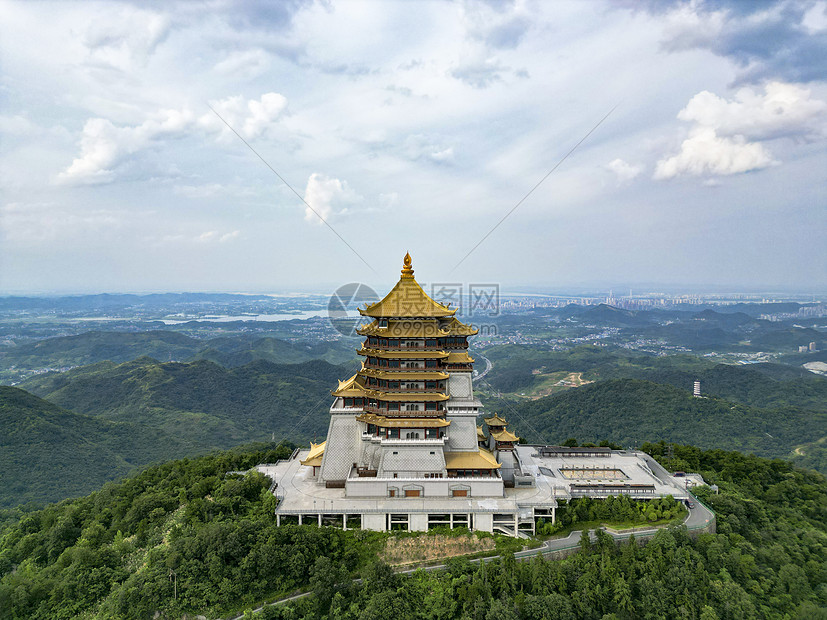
point(407, 272)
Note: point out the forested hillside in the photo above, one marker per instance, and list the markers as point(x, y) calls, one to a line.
point(772, 409)
point(48, 453)
point(100, 422)
point(627, 411)
point(188, 537)
point(115, 346)
point(762, 385)
point(200, 401)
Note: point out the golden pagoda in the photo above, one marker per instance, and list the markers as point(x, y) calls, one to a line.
point(499, 437)
point(409, 411)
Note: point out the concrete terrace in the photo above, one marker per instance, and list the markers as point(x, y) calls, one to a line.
point(543, 480)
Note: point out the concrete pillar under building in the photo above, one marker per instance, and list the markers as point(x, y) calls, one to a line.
point(344, 522)
point(300, 519)
point(484, 522)
point(320, 519)
point(374, 521)
point(418, 522)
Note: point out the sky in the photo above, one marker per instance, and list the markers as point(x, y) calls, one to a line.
point(412, 126)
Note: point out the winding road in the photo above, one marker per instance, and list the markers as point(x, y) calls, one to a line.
point(488, 367)
point(699, 517)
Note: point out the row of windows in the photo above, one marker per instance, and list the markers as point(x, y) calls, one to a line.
point(383, 363)
point(395, 385)
point(395, 433)
point(428, 342)
point(418, 492)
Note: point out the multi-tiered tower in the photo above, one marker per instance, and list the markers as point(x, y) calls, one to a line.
point(405, 424)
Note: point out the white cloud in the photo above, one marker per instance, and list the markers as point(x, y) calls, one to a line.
point(783, 110)
point(815, 19)
point(245, 64)
point(249, 117)
point(419, 146)
point(727, 135)
point(687, 27)
point(125, 36)
point(443, 156)
point(498, 25)
point(104, 146)
point(704, 152)
point(326, 196)
point(624, 170)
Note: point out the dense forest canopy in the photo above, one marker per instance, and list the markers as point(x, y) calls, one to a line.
point(193, 536)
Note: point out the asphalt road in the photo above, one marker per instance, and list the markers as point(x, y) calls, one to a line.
point(488, 367)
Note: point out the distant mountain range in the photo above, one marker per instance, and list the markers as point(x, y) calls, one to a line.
point(97, 346)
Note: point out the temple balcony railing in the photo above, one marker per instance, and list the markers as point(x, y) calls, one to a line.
point(382, 388)
point(350, 410)
point(398, 441)
point(464, 411)
point(420, 347)
point(403, 413)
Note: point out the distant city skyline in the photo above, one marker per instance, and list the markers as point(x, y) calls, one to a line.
point(413, 127)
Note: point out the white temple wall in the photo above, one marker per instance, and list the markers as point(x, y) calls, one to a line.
point(342, 448)
point(411, 461)
point(418, 522)
point(484, 521)
point(374, 521)
point(460, 386)
point(438, 487)
point(462, 434)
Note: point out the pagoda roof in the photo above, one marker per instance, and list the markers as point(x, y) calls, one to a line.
point(314, 457)
point(403, 354)
point(495, 420)
point(354, 387)
point(404, 374)
point(481, 459)
point(505, 435)
point(480, 433)
point(386, 422)
point(459, 357)
point(350, 387)
point(407, 299)
point(423, 328)
point(413, 397)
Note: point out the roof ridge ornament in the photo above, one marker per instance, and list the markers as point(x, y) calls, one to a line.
point(407, 271)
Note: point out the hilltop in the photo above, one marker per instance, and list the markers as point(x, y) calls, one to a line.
point(192, 537)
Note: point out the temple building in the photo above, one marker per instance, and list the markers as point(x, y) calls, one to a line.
point(405, 423)
point(404, 450)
